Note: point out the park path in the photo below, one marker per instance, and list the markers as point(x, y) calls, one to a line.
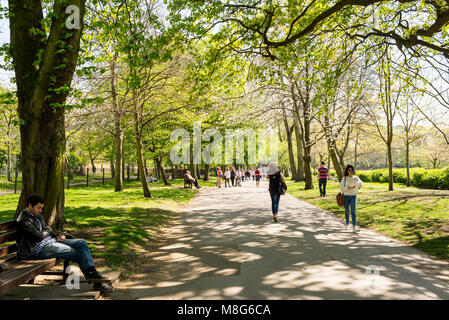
point(225, 245)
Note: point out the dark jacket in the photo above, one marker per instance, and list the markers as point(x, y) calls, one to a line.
point(275, 181)
point(28, 234)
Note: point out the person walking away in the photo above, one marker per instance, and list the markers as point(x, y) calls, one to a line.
point(219, 176)
point(257, 175)
point(247, 174)
point(227, 176)
point(349, 187)
point(275, 179)
point(232, 175)
point(242, 175)
point(323, 175)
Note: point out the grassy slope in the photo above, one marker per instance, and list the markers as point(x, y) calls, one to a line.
point(119, 226)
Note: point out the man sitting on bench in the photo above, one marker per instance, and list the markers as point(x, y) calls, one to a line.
point(188, 177)
point(35, 240)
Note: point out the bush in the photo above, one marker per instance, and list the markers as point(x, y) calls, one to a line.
point(420, 177)
point(443, 181)
point(363, 175)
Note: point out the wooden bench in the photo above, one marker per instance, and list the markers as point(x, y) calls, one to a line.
point(187, 184)
point(14, 272)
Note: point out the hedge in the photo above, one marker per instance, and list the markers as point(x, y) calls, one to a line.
point(420, 177)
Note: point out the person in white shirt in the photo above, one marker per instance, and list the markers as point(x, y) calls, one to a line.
point(349, 187)
point(227, 176)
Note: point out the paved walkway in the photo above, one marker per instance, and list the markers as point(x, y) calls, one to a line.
point(225, 245)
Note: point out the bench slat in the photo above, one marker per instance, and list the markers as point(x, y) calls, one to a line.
point(8, 225)
point(10, 236)
point(21, 271)
point(8, 250)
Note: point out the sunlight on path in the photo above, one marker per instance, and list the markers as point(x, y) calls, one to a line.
point(225, 245)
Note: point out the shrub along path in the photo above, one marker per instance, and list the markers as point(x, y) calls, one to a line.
point(226, 246)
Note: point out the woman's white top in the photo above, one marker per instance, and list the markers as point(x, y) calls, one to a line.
point(227, 174)
point(350, 181)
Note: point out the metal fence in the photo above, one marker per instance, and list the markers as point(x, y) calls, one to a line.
point(10, 186)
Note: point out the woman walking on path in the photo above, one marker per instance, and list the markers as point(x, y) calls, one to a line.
point(219, 175)
point(227, 176)
point(257, 175)
point(232, 175)
point(349, 186)
point(275, 178)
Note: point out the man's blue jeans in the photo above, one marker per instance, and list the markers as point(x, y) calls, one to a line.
point(322, 183)
point(75, 250)
point(275, 197)
point(350, 203)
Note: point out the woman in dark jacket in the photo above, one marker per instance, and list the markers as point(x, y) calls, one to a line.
point(232, 175)
point(275, 179)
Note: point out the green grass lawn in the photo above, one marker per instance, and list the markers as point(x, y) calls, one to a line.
point(119, 226)
point(417, 216)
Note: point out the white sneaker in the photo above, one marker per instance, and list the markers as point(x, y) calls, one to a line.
point(355, 229)
point(347, 226)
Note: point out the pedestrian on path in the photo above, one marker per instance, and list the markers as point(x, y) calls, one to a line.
point(275, 179)
point(219, 176)
point(323, 175)
point(227, 176)
point(232, 175)
point(349, 187)
point(247, 174)
point(257, 175)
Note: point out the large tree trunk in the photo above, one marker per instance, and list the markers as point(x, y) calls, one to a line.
point(299, 153)
point(140, 165)
point(8, 161)
point(162, 171)
point(336, 163)
point(308, 171)
point(206, 172)
point(307, 146)
point(390, 168)
point(198, 172)
point(192, 167)
point(112, 169)
point(118, 130)
point(332, 148)
point(142, 175)
point(407, 162)
point(40, 104)
point(94, 168)
point(291, 155)
point(355, 150)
